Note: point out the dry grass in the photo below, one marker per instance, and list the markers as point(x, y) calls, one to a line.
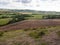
point(32, 24)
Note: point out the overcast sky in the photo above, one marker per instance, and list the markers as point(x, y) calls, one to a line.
point(44, 5)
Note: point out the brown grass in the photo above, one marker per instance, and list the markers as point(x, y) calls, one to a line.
point(26, 24)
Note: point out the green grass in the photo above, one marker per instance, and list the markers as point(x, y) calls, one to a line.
point(5, 21)
point(58, 33)
point(10, 34)
point(44, 43)
point(19, 37)
point(35, 17)
point(38, 33)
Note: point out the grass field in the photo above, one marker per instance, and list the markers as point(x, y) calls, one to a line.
point(23, 37)
point(32, 29)
point(36, 17)
point(5, 21)
point(27, 36)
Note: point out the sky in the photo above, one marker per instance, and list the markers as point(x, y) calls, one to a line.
point(41, 5)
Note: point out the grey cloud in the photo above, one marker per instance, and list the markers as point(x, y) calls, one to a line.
point(16, 0)
point(4, 3)
point(48, 0)
point(44, 0)
point(23, 1)
point(26, 1)
point(53, 0)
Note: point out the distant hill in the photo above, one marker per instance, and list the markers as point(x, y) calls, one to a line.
point(32, 11)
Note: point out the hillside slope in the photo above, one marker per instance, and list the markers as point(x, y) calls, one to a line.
point(31, 24)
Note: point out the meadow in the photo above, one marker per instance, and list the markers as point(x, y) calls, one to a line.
point(11, 18)
point(32, 36)
point(5, 21)
point(29, 28)
point(35, 17)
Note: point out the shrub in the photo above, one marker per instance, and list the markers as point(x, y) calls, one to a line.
point(17, 43)
point(44, 43)
point(33, 28)
point(58, 33)
point(41, 33)
point(1, 34)
point(26, 29)
point(37, 34)
point(29, 29)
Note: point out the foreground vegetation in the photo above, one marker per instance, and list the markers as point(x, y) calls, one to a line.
point(46, 33)
point(32, 36)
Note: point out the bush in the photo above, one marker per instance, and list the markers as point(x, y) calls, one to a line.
point(58, 33)
point(29, 29)
point(51, 17)
point(33, 28)
point(44, 43)
point(17, 43)
point(1, 34)
point(37, 34)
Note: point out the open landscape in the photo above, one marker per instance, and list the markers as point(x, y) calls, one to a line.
point(29, 27)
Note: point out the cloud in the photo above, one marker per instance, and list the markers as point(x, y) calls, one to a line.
point(17, 0)
point(45, 5)
point(3, 2)
point(25, 1)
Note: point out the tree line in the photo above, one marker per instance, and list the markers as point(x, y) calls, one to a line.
point(51, 17)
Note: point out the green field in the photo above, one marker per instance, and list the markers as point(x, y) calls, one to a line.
point(34, 17)
point(6, 18)
point(44, 35)
point(5, 21)
point(23, 37)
